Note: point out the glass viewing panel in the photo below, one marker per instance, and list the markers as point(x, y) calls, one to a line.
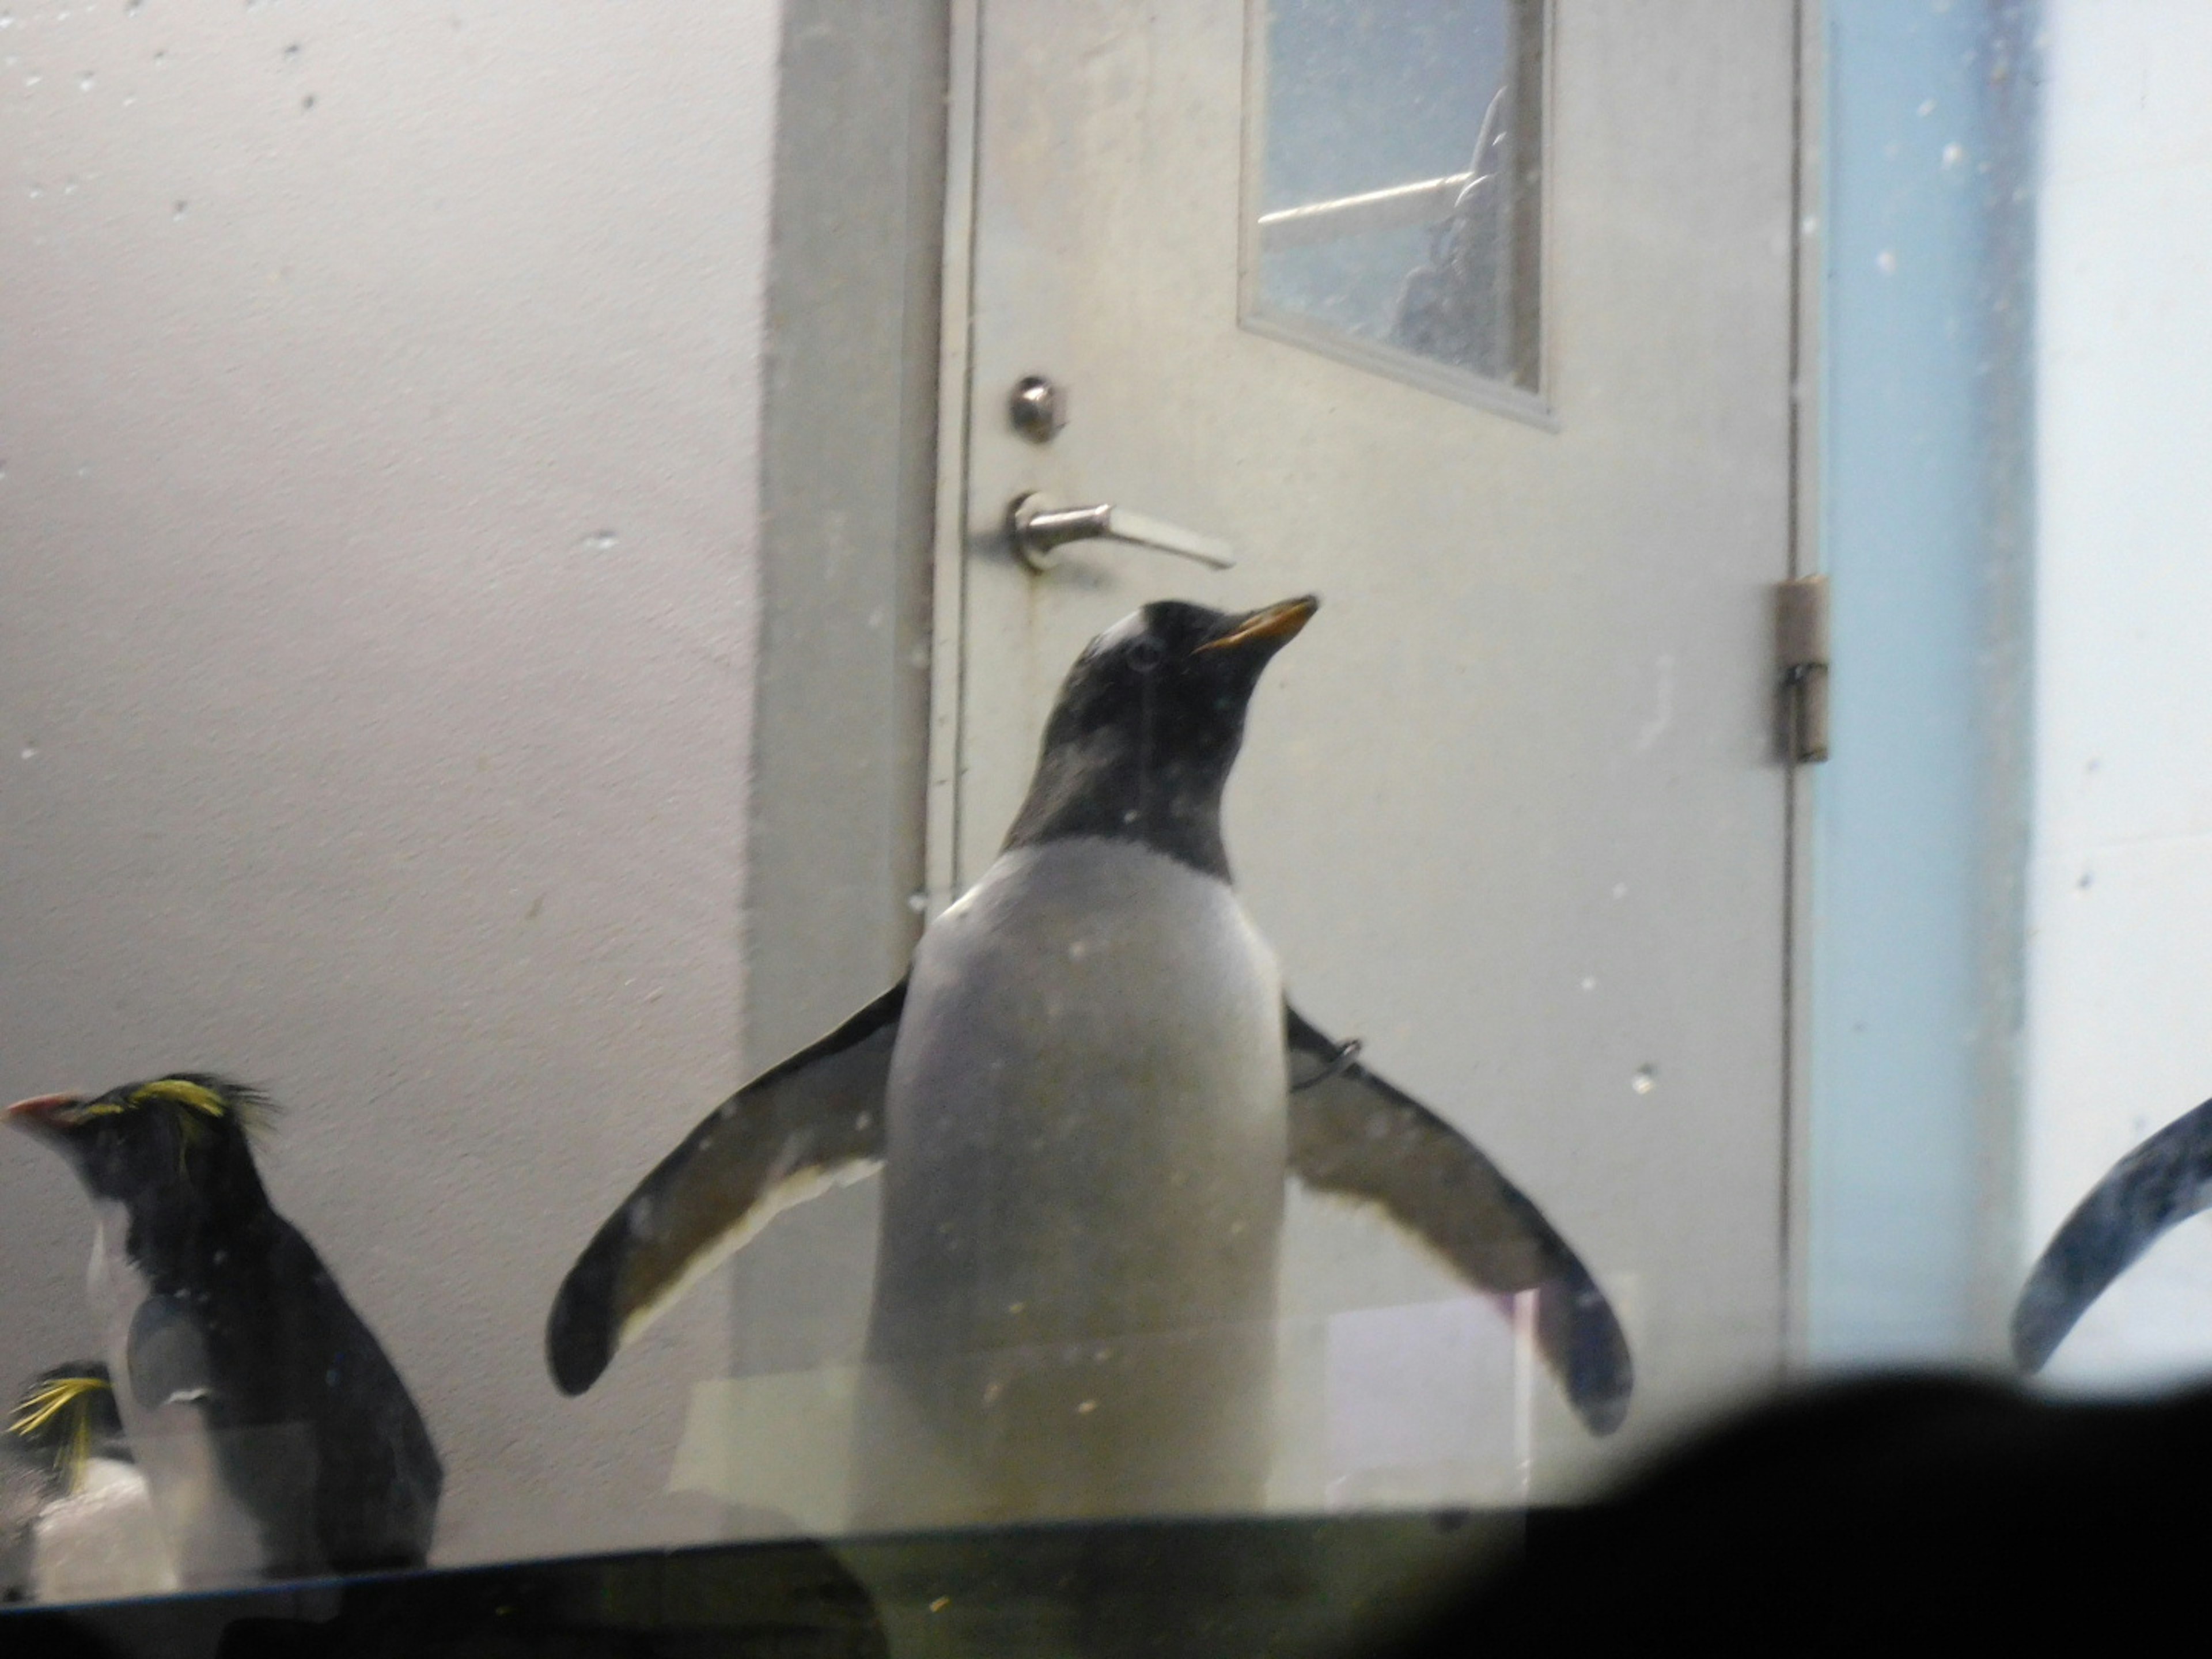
point(1395, 205)
point(1519, 1057)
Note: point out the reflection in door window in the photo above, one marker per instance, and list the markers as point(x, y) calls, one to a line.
point(1393, 206)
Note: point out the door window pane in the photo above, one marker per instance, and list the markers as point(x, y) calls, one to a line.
point(1393, 199)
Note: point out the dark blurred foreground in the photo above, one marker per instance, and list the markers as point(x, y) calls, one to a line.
point(1907, 1513)
point(1216, 1589)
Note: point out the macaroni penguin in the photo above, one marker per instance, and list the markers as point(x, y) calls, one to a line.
point(77, 1522)
point(276, 1437)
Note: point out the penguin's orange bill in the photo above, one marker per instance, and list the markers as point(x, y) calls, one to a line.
point(43, 1105)
point(1277, 622)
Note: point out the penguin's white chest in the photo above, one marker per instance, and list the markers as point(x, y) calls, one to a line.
point(1083, 1167)
point(113, 1283)
point(103, 1540)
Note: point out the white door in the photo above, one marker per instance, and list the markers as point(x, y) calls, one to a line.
point(1475, 318)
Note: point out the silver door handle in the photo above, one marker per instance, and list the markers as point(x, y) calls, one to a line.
point(1039, 529)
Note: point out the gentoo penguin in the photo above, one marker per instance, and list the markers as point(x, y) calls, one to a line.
point(1085, 1096)
point(77, 1522)
point(2153, 1189)
point(275, 1435)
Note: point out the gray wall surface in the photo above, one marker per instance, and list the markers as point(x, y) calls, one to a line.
point(378, 393)
point(848, 482)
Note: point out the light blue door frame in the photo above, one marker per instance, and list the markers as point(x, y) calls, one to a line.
point(1918, 823)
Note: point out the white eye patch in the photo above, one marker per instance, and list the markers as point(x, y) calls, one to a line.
point(1127, 627)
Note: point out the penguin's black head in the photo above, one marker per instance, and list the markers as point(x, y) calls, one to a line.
point(1147, 726)
point(181, 1135)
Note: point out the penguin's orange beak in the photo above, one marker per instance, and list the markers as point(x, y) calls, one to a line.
point(1278, 623)
point(42, 1109)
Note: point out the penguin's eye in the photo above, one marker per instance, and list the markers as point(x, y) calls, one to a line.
point(1147, 655)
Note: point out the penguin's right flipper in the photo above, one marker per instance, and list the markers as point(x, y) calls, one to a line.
point(813, 1123)
point(2149, 1193)
point(1355, 1135)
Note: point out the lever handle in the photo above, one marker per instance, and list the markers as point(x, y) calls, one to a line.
point(1038, 531)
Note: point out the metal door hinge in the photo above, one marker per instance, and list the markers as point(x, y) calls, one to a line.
point(1800, 637)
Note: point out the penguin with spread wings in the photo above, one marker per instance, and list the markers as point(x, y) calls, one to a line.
point(1085, 1098)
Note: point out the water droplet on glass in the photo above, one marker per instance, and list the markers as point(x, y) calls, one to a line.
point(917, 901)
point(33, 80)
point(1646, 1080)
point(84, 81)
point(180, 212)
point(30, 751)
point(1589, 982)
point(37, 191)
point(1953, 155)
point(292, 52)
point(1927, 107)
point(599, 541)
point(308, 103)
point(1620, 889)
point(7, 20)
point(1886, 262)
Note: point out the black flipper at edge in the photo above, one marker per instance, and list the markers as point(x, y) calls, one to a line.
point(817, 1112)
point(1353, 1134)
point(2156, 1188)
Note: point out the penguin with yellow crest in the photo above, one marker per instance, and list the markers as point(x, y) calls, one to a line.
point(275, 1436)
point(77, 1522)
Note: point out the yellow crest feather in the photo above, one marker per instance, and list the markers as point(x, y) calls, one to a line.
point(184, 1092)
point(51, 1399)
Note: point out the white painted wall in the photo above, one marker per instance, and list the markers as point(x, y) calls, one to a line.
point(2120, 1015)
point(378, 384)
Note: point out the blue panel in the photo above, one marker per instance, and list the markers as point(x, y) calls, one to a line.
point(1921, 212)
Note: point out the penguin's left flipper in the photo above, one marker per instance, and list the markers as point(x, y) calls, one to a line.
point(814, 1122)
point(2153, 1189)
point(167, 1356)
point(236, 1484)
point(1355, 1135)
